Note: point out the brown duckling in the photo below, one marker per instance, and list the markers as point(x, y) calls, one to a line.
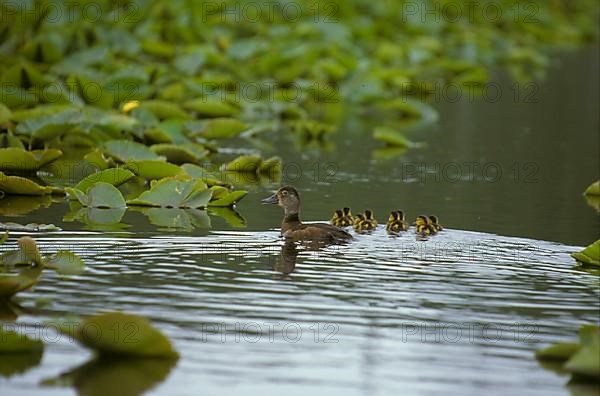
point(366, 221)
point(424, 226)
point(337, 218)
point(293, 229)
point(396, 222)
point(435, 222)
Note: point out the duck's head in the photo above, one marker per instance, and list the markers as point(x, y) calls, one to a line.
point(393, 216)
point(360, 217)
point(433, 219)
point(287, 197)
point(338, 214)
point(421, 220)
point(400, 215)
point(347, 212)
point(368, 214)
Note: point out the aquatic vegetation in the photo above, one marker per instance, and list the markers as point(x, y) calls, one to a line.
point(137, 336)
point(100, 195)
point(581, 359)
point(13, 158)
point(590, 255)
point(12, 343)
point(593, 189)
point(114, 176)
point(175, 192)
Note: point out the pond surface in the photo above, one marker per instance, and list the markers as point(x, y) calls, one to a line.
point(459, 313)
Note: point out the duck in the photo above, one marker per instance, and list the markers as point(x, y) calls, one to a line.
point(337, 218)
point(435, 222)
point(348, 219)
point(365, 222)
point(292, 228)
point(424, 226)
point(396, 222)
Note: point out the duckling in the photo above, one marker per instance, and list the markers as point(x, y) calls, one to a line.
point(436, 223)
point(424, 226)
point(358, 221)
point(338, 218)
point(348, 219)
point(396, 222)
point(292, 229)
point(366, 221)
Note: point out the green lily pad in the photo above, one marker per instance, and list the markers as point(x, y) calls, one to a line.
point(28, 227)
point(590, 255)
point(243, 163)
point(175, 192)
point(205, 107)
point(51, 126)
point(179, 154)
point(586, 361)
point(97, 159)
point(153, 169)
point(17, 185)
point(175, 218)
point(222, 128)
point(136, 337)
point(5, 114)
point(391, 137)
point(4, 238)
point(230, 199)
point(271, 166)
point(27, 254)
point(101, 195)
point(593, 189)
point(561, 351)
point(127, 150)
point(114, 176)
point(65, 263)
point(97, 219)
point(12, 342)
point(13, 158)
point(232, 217)
point(11, 284)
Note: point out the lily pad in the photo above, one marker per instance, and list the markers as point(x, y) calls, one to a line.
point(271, 166)
point(175, 218)
point(101, 195)
point(136, 337)
point(175, 192)
point(561, 351)
point(391, 137)
point(223, 128)
point(127, 150)
point(28, 227)
point(179, 154)
point(586, 361)
point(12, 342)
point(244, 163)
point(114, 176)
point(65, 263)
point(232, 217)
point(590, 255)
point(17, 185)
point(230, 199)
point(163, 109)
point(593, 189)
point(27, 254)
point(205, 107)
point(11, 284)
point(153, 169)
point(13, 158)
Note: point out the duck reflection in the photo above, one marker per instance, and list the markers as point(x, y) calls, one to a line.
point(288, 257)
point(115, 376)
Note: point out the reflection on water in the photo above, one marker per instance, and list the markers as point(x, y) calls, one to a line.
point(458, 312)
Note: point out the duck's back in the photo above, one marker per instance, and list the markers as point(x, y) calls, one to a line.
point(316, 231)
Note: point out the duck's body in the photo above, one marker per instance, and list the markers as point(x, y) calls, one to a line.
point(396, 222)
point(293, 229)
point(436, 223)
point(365, 222)
point(337, 219)
point(424, 227)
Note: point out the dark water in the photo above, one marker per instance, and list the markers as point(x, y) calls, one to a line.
point(460, 313)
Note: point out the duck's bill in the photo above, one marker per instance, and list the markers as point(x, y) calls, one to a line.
point(271, 200)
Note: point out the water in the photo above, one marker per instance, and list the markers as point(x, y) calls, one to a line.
point(459, 313)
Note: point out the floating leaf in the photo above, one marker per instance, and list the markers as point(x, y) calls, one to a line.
point(114, 176)
point(391, 137)
point(13, 158)
point(28, 227)
point(17, 185)
point(126, 150)
point(271, 166)
point(174, 218)
point(590, 255)
point(12, 342)
point(175, 192)
point(51, 126)
point(27, 254)
point(244, 163)
point(230, 199)
point(179, 154)
point(222, 128)
point(561, 351)
point(586, 361)
point(593, 189)
point(11, 284)
point(65, 262)
point(5, 114)
point(97, 159)
point(232, 217)
point(205, 107)
point(153, 169)
point(4, 238)
point(101, 195)
point(136, 336)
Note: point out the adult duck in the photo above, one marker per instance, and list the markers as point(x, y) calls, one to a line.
point(293, 229)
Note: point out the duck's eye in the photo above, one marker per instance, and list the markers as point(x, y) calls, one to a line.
point(284, 192)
